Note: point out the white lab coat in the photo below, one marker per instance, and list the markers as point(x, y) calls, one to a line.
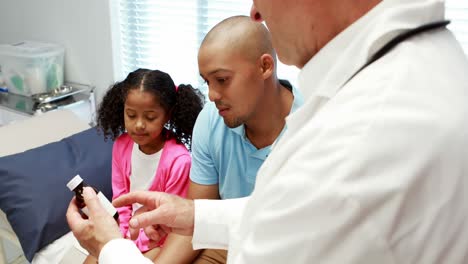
point(374, 170)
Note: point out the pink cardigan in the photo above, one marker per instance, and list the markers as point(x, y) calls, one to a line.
point(172, 176)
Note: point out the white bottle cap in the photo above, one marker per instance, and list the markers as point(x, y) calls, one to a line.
point(73, 183)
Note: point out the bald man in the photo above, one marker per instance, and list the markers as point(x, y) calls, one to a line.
point(234, 133)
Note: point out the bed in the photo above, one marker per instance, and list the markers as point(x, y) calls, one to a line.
point(37, 157)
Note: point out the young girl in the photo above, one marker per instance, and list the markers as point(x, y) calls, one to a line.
point(151, 121)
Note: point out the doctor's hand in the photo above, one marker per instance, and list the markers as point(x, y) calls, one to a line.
point(161, 213)
point(153, 233)
point(92, 233)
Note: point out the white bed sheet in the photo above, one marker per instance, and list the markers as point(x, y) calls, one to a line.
point(65, 250)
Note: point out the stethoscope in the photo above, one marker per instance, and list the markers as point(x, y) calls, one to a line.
point(400, 38)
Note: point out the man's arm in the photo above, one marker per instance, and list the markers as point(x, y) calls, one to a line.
point(179, 249)
point(200, 191)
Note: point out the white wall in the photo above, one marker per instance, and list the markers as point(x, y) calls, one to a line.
point(81, 26)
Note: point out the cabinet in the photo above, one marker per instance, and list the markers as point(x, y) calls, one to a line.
point(78, 98)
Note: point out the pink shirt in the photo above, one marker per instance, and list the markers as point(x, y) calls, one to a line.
point(172, 176)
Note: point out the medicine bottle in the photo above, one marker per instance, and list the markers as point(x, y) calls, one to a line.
point(77, 184)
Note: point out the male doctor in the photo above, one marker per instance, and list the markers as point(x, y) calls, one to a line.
point(372, 169)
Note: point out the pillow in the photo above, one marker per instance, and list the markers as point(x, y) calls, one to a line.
point(33, 192)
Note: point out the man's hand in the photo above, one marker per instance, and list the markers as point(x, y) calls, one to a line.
point(92, 233)
point(162, 213)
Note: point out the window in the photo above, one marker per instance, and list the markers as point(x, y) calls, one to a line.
point(166, 35)
point(158, 34)
point(457, 12)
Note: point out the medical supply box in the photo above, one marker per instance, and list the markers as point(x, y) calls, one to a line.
point(31, 67)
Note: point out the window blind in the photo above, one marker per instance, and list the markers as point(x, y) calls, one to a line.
point(159, 34)
point(166, 35)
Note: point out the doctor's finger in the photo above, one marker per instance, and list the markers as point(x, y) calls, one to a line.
point(142, 197)
point(140, 210)
point(153, 217)
point(92, 201)
point(134, 232)
point(74, 219)
point(154, 233)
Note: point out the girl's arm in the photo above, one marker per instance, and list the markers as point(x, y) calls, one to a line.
point(119, 187)
point(176, 182)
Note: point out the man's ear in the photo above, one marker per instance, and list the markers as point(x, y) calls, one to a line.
point(268, 65)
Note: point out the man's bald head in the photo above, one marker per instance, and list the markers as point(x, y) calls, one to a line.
point(240, 34)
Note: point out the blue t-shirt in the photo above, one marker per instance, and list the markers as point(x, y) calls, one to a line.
point(225, 156)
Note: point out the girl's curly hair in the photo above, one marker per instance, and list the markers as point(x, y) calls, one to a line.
point(184, 103)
